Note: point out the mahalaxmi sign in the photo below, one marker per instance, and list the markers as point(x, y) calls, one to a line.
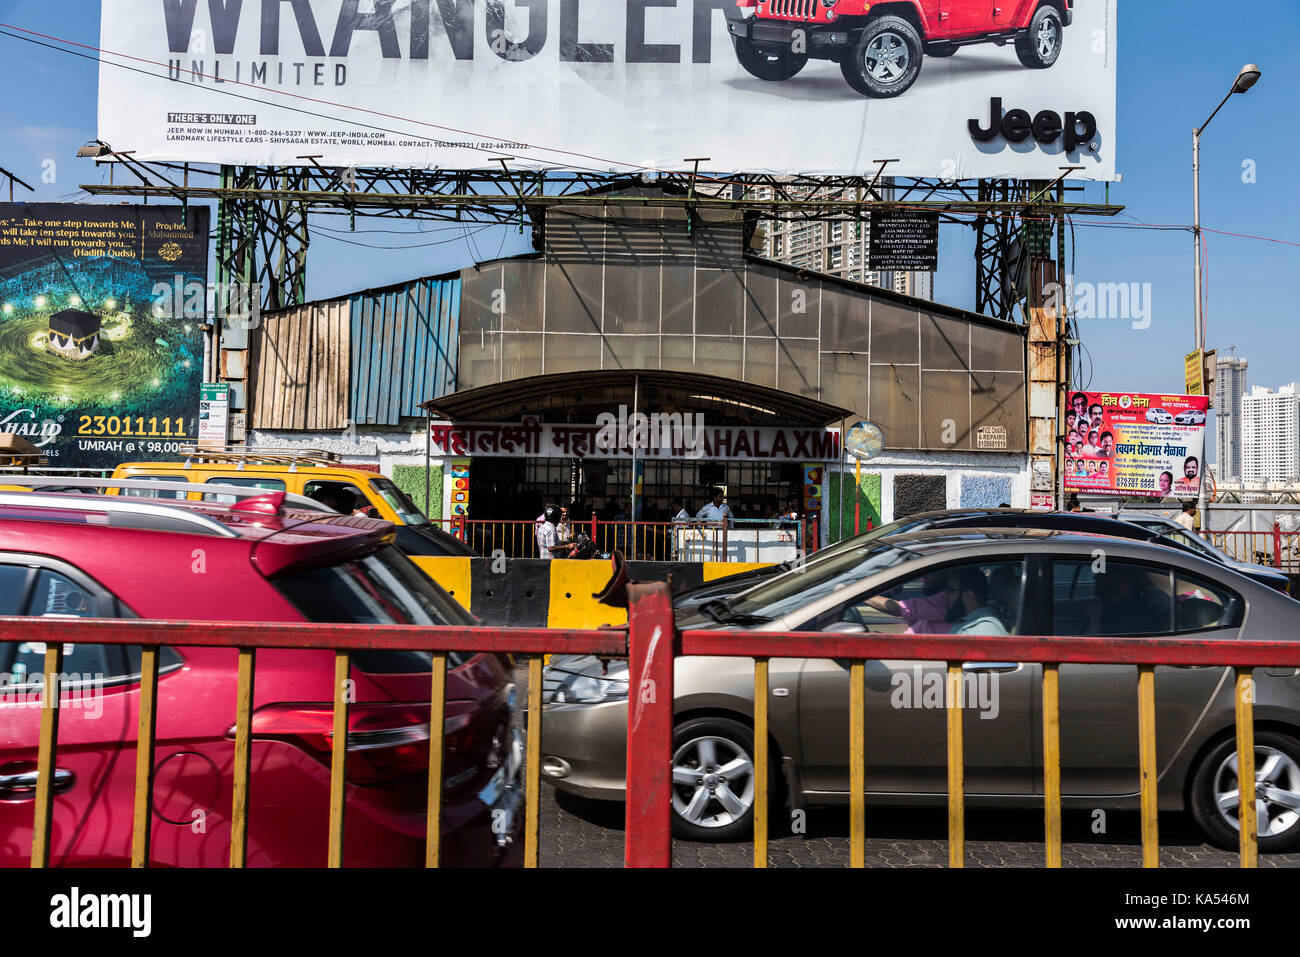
point(587, 84)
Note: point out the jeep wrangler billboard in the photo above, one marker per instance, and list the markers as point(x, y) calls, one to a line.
point(957, 89)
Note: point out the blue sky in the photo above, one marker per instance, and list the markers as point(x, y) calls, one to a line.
point(1176, 62)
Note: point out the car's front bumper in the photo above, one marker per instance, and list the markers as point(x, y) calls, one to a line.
point(777, 36)
point(584, 749)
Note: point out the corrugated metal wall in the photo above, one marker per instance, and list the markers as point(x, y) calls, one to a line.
point(300, 369)
point(370, 358)
point(405, 341)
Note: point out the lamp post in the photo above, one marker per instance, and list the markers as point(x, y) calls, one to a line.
point(1246, 78)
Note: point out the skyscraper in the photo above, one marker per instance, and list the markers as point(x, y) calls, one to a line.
point(1229, 387)
point(838, 248)
point(1270, 435)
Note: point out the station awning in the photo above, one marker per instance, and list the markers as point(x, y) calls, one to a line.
point(581, 397)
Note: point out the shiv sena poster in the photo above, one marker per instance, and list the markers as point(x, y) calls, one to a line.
point(1135, 444)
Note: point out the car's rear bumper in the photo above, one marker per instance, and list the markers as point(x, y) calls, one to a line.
point(584, 749)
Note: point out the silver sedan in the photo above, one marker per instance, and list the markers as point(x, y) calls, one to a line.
point(976, 582)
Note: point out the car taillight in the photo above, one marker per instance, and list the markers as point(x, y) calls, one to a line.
point(386, 742)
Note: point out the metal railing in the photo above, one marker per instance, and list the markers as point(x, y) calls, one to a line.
point(763, 541)
point(651, 644)
point(1275, 548)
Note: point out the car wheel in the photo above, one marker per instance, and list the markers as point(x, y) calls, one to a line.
point(766, 67)
point(1040, 47)
point(886, 60)
point(1277, 792)
point(713, 780)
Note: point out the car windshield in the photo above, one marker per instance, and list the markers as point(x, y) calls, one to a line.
point(804, 585)
point(399, 502)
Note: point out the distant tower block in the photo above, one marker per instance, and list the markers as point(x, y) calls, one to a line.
point(74, 334)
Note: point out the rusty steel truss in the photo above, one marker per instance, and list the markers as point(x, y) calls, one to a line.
point(263, 235)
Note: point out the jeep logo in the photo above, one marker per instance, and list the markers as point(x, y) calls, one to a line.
point(1047, 127)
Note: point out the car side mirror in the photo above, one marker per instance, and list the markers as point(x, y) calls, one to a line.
point(846, 628)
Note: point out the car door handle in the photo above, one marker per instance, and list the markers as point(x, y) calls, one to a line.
point(992, 667)
point(24, 785)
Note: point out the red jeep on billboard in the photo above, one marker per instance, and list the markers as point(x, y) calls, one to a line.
point(880, 46)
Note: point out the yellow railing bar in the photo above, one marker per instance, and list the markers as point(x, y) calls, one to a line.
point(956, 771)
point(533, 761)
point(141, 830)
point(857, 766)
point(760, 761)
point(243, 758)
point(1246, 819)
point(1052, 763)
point(1147, 765)
point(45, 757)
point(339, 757)
point(437, 721)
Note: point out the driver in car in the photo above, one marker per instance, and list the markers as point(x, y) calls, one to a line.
point(927, 615)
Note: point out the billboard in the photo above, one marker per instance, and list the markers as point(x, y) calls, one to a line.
point(958, 89)
point(93, 369)
point(1135, 444)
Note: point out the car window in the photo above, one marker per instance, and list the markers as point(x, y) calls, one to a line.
point(150, 493)
point(974, 598)
point(13, 588)
point(803, 585)
point(1102, 597)
point(269, 484)
point(385, 588)
point(343, 497)
point(56, 594)
point(1201, 606)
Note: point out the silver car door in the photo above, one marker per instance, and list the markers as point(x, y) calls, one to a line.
point(906, 722)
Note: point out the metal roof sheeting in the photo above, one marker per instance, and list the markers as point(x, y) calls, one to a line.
point(300, 368)
point(405, 341)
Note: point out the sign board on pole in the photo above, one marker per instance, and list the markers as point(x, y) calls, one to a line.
point(214, 414)
point(1194, 373)
point(617, 85)
point(1132, 443)
point(901, 239)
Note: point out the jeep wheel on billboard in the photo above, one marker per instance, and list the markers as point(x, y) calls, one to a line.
point(782, 86)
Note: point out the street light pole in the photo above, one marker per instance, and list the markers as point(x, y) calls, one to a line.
point(1246, 78)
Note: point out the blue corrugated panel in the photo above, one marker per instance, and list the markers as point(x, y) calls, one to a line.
point(404, 348)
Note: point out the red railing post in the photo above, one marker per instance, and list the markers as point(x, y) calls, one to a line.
point(1277, 545)
point(652, 645)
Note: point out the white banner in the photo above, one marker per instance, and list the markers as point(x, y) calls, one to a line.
point(958, 89)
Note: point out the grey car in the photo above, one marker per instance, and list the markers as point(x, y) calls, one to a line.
point(992, 582)
point(1170, 530)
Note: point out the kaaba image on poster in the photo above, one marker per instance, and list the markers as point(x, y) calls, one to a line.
point(74, 334)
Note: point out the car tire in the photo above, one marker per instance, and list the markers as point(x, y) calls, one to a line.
point(1277, 765)
point(1040, 48)
point(699, 814)
point(885, 79)
point(765, 67)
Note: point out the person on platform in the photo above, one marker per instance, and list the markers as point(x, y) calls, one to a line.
point(717, 510)
point(552, 531)
point(1187, 517)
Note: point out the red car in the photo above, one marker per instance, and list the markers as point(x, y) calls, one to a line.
point(880, 46)
point(117, 557)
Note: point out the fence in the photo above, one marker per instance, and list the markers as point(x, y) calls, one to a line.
point(651, 643)
point(759, 541)
point(1276, 548)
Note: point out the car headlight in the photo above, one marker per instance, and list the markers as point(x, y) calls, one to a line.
point(590, 689)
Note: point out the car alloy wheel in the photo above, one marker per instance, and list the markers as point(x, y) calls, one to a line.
point(1277, 791)
point(713, 782)
point(1048, 39)
point(887, 58)
point(1214, 796)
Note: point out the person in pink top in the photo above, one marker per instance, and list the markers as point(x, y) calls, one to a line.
point(927, 615)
